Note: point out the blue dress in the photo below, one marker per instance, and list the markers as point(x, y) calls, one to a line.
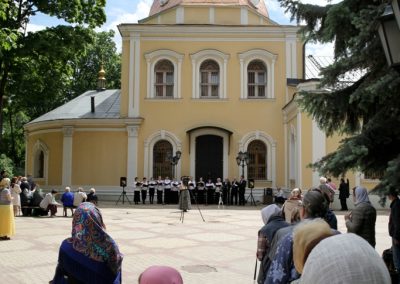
point(74, 267)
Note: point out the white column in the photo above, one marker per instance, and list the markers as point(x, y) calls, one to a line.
point(318, 148)
point(291, 56)
point(299, 151)
point(273, 164)
point(67, 155)
point(244, 18)
point(132, 161)
point(137, 76)
point(180, 15)
point(286, 156)
point(224, 91)
point(131, 77)
point(179, 80)
point(243, 79)
point(211, 15)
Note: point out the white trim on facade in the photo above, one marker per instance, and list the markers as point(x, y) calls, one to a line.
point(271, 151)
point(68, 132)
point(175, 58)
point(299, 151)
point(132, 159)
point(211, 15)
point(131, 77)
point(136, 108)
point(209, 131)
point(42, 147)
point(244, 16)
point(198, 58)
point(180, 15)
point(291, 56)
point(268, 59)
point(127, 30)
point(149, 146)
point(318, 148)
point(293, 165)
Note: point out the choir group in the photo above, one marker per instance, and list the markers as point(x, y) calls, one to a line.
point(201, 192)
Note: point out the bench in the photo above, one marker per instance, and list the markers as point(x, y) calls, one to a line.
point(28, 207)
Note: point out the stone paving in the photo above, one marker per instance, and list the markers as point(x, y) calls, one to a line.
point(219, 250)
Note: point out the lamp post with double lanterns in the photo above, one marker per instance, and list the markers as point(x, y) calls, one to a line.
point(174, 161)
point(389, 32)
point(242, 159)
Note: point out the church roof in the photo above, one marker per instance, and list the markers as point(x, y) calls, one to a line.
point(107, 105)
point(162, 5)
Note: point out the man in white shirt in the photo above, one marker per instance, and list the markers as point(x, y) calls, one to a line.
point(79, 197)
point(49, 203)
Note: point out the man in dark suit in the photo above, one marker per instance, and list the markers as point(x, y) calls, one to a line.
point(242, 190)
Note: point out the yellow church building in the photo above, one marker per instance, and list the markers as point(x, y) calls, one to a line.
point(208, 79)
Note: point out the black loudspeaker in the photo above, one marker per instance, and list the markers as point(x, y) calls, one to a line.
point(122, 181)
point(251, 183)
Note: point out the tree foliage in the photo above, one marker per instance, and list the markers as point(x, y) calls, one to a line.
point(52, 74)
point(367, 111)
point(15, 43)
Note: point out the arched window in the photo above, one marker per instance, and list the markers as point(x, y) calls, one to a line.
point(257, 166)
point(161, 165)
point(256, 79)
point(39, 165)
point(164, 79)
point(209, 79)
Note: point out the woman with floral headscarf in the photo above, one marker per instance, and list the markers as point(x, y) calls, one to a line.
point(90, 255)
point(361, 220)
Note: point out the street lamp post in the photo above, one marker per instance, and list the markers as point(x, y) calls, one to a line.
point(174, 161)
point(242, 159)
point(389, 33)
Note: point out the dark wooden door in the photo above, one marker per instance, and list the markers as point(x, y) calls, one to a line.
point(209, 157)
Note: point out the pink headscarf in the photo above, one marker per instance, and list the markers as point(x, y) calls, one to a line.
point(160, 275)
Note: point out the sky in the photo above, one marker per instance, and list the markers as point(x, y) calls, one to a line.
point(130, 11)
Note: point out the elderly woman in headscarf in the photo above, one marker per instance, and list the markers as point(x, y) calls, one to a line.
point(273, 221)
point(160, 275)
point(90, 255)
point(361, 220)
point(344, 258)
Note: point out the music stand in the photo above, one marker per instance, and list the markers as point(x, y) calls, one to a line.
point(122, 183)
point(251, 197)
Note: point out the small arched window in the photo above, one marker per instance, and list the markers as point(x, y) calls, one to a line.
point(257, 166)
point(209, 79)
point(164, 79)
point(256, 79)
point(161, 165)
point(39, 164)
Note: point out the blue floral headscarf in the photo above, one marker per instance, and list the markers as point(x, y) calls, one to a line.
point(90, 238)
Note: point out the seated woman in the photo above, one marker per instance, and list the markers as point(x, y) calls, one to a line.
point(90, 255)
point(92, 197)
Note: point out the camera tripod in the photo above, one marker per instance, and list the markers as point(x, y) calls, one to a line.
point(189, 197)
point(123, 195)
point(251, 197)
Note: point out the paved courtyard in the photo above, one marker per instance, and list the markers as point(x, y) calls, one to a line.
point(219, 250)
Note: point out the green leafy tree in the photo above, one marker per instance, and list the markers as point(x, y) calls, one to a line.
point(366, 112)
point(102, 51)
point(47, 77)
point(14, 15)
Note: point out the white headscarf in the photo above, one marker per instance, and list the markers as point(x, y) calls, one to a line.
point(361, 195)
point(344, 258)
point(269, 211)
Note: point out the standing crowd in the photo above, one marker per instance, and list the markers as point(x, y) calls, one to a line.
point(300, 243)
